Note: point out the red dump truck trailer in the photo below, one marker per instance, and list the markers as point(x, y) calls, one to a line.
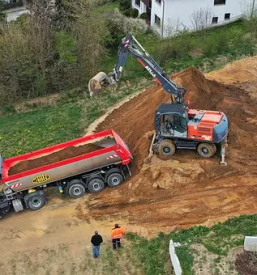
point(85, 164)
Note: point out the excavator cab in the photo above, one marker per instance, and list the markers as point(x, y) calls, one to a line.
point(171, 120)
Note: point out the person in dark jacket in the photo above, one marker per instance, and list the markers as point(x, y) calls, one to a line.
point(96, 241)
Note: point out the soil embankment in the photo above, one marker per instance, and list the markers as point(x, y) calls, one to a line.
point(186, 190)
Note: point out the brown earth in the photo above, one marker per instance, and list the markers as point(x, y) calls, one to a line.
point(186, 190)
point(66, 153)
point(161, 196)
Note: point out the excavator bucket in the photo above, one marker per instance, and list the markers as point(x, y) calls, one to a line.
point(97, 82)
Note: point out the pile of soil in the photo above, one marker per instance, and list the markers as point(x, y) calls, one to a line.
point(186, 189)
point(246, 263)
point(66, 153)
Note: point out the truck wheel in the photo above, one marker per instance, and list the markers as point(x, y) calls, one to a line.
point(36, 202)
point(206, 150)
point(95, 185)
point(166, 148)
point(114, 179)
point(76, 190)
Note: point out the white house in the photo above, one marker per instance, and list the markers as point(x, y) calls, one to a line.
point(169, 16)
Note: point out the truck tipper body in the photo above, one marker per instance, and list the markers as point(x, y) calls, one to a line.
point(97, 160)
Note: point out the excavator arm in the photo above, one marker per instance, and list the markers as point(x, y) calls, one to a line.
point(130, 45)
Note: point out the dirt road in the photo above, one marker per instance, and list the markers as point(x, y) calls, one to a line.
point(162, 195)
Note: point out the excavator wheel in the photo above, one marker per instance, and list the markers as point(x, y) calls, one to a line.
point(166, 148)
point(206, 150)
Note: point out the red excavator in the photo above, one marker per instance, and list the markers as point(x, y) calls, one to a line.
point(176, 126)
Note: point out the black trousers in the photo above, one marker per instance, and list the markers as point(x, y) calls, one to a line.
point(115, 243)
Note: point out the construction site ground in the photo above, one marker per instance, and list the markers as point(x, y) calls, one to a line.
point(162, 195)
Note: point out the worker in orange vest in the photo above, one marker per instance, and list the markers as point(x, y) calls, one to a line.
point(117, 234)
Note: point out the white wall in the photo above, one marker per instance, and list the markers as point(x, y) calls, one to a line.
point(13, 14)
point(177, 13)
point(157, 9)
point(141, 9)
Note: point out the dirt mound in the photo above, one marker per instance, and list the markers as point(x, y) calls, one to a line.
point(66, 153)
point(241, 74)
point(186, 189)
point(197, 86)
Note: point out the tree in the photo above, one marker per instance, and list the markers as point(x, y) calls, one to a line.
point(249, 10)
point(41, 32)
point(2, 14)
point(201, 18)
point(91, 34)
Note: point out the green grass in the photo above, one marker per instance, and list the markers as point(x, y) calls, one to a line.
point(219, 240)
point(21, 133)
point(67, 119)
point(109, 6)
point(205, 50)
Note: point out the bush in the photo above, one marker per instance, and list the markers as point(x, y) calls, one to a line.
point(120, 25)
point(144, 16)
point(131, 13)
point(125, 5)
point(134, 13)
point(126, 12)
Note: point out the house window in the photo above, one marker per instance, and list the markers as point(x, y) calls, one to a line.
point(227, 16)
point(215, 20)
point(157, 20)
point(219, 2)
point(159, 1)
point(137, 2)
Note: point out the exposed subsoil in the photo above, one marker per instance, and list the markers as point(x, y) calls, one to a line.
point(161, 196)
point(186, 189)
point(66, 153)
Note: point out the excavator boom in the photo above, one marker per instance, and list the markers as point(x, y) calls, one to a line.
point(129, 45)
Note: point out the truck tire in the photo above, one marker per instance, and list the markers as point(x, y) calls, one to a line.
point(114, 179)
point(36, 201)
point(166, 148)
point(95, 185)
point(76, 190)
point(206, 150)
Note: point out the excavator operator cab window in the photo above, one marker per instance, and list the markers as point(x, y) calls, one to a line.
point(175, 125)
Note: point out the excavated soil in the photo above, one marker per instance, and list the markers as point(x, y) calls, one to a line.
point(186, 189)
point(66, 153)
point(161, 196)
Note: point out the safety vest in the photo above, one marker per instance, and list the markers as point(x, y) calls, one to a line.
point(117, 233)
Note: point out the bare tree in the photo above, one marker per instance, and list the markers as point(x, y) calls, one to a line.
point(15, 64)
point(249, 10)
point(173, 27)
point(91, 32)
point(201, 18)
point(41, 32)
